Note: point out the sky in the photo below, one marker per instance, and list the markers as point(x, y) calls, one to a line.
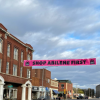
point(58, 29)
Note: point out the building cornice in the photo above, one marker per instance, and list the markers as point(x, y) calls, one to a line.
point(15, 76)
point(8, 34)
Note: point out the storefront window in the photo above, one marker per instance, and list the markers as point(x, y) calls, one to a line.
point(10, 92)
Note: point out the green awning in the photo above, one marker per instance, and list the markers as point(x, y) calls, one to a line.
point(61, 91)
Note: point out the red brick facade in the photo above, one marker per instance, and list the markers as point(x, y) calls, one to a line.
point(59, 86)
point(26, 48)
point(67, 86)
point(38, 74)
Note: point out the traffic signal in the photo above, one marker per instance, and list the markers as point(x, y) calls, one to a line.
point(64, 91)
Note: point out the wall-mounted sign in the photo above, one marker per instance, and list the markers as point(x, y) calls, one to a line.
point(47, 89)
point(63, 62)
point(35, 88)
point(10, 86)
point(41, 89)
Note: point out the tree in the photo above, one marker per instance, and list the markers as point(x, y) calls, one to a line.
point(78, 90)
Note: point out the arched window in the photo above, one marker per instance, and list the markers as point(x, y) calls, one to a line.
point(28, 57)
point(1, 42)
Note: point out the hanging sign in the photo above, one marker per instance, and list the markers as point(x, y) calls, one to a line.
point(63, 62)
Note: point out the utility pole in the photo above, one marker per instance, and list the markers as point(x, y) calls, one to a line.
point(42, 81)
point(76, 90)
point(89, 92)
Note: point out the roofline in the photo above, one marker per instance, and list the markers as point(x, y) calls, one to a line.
point(64, 81)
point(15, 39)
point(54, 80)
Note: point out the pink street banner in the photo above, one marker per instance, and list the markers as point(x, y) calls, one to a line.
point(63, 62)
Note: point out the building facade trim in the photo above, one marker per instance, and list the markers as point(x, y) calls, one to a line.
point(15, 39)
point(1, 79)
point(16, 76)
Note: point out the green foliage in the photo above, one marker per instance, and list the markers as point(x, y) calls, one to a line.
point(78, 90)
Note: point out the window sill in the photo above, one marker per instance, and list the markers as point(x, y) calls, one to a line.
point(16, 59)
point(8, 56)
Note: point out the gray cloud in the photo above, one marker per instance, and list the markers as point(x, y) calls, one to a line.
point(59, 29)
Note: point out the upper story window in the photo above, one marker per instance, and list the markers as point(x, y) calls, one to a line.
point(1, 43)
point(8, 50)
point(48, 80)
point(0, 64)
point(21, 70)
point(15, 70)
point(21, 56)
point(7, 68)
point(28, 57)
point(62, 86)
point(15, 53)
point(28, 73)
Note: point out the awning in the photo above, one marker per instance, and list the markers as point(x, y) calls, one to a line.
point(55, 91)
point(61, 91)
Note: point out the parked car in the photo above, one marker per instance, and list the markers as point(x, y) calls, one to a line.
point(80, 97)
point(86, 97)
point(41, 98)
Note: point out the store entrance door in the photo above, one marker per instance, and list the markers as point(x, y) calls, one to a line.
point(10, 92)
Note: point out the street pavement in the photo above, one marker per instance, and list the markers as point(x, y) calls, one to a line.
point(82, 99)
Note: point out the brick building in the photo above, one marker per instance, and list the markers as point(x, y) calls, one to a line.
point(67, 86)
point(38, 74)
point(48, 84)
point(15, 80)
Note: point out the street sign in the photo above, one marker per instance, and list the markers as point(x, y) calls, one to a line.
point(41, 89)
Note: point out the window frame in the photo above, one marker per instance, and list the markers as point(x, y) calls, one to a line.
point(22, 56)
point(1, 48)
point(0, 64)
point(7, 68)
point(62, 87)
point(28, 73)
point(8, 51)
point(15, 53)
point(48, 80)
point(21, 72)
point(15, 74)
point(28, 56)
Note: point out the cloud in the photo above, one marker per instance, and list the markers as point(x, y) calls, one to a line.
point(59, 29)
